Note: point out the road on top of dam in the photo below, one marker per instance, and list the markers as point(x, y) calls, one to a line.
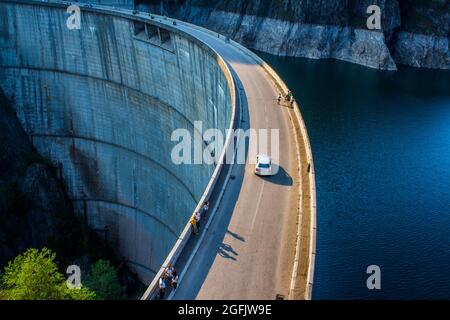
point(248, 250)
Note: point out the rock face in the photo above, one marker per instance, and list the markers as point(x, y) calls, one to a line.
point(420, 50)
point(34, 210)
point(413, 32)
point(307, 40)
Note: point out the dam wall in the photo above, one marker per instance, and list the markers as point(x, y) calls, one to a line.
point(102, 102)
point(128, 4)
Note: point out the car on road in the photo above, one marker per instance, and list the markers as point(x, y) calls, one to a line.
point(263, 165)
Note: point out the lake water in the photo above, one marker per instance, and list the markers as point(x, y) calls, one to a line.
point(381, 148)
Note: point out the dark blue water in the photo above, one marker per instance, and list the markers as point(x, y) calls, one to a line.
point(381, 147)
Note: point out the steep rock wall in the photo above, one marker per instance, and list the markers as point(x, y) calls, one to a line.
point(327, 29)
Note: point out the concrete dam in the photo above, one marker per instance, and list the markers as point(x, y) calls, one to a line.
point(102, 102)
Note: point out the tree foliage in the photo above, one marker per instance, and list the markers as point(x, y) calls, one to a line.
point(104, 281)
point(34, 275)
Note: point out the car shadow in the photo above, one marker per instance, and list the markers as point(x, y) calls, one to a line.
point(282, 177)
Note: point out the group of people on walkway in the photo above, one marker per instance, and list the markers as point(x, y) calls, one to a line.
point(288, 97)
point(169, 278)
point(197, 216)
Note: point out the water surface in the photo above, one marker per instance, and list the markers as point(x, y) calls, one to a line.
point(381, 148)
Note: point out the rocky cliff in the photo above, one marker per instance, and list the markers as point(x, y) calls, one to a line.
point(34, 211)
point(414, 32)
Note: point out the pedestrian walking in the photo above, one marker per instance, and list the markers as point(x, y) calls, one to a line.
point(194, 224)
point(279, 98)
point(168, 272)
point(289, 96)
point(162, 287)
point(292, 102)
point(198, 216)
point(174, 282)
point(205, 207)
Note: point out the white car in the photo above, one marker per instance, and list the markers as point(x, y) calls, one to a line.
point(263, 165)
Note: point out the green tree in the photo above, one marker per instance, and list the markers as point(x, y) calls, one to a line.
point(34, 275)
point(104, 281)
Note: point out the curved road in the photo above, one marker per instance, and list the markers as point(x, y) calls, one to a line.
point(249, 248)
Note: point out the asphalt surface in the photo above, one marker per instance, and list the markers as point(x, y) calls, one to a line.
point(247, 253)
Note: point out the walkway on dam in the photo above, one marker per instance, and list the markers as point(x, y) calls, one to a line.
point(249, 248)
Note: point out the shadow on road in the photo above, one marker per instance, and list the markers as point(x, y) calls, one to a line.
point(225, 250)
point(281, 178)
point(236, 236)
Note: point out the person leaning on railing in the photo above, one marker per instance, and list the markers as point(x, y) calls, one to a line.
point(194, 224)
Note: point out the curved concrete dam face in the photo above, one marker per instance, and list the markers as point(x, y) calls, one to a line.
point(103, 101)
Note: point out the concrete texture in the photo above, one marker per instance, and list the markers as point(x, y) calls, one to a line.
point(128, 4)
point(104, 102)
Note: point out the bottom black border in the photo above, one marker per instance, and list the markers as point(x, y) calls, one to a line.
point(220, 309)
